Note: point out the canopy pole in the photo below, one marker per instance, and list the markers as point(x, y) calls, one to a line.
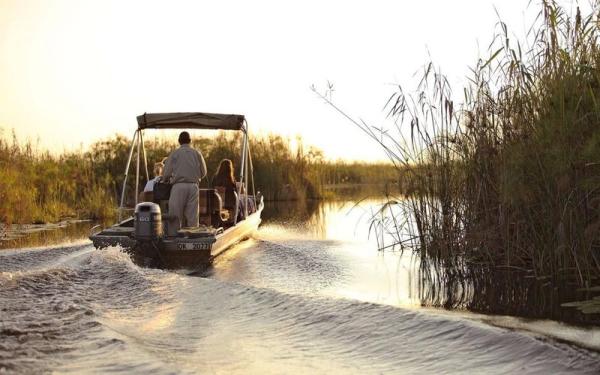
point(251, 170)
point(145, 156)
point(251, 173)
point(127, 174)
point(137, 169)
point(243, 157)
point(246, 173)
point(242, 167)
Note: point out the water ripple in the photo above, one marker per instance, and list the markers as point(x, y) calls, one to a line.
point(74, 310)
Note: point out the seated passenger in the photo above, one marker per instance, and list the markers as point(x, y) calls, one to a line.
point(146, 195)
point(224, 180)
point(158, 171)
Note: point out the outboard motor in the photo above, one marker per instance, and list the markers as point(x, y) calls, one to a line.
point(148, 221)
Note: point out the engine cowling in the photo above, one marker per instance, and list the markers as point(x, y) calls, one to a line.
point(148, 221)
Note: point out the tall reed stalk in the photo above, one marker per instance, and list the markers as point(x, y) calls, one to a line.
point(511, 177)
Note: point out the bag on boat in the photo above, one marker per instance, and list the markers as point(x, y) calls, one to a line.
point(162, 191)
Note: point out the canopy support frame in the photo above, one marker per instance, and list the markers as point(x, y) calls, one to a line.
point(242, 173)
point(133, 141)
point(246, 168)
point(137, 169)
point(144, 156)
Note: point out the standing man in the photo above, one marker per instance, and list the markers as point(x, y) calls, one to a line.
point(184, 167)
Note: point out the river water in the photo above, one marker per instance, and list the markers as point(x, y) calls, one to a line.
point(310, 293)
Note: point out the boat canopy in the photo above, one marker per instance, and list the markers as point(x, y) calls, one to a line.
point(190, 120)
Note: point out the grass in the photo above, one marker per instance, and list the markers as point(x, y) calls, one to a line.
point(38, 186)
point(510, 178)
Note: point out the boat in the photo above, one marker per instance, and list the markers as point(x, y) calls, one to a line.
point(227, 217)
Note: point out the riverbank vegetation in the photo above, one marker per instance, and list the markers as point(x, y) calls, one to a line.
point(511, 177)
point(38, 186)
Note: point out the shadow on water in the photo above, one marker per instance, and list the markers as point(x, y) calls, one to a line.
point(506, 292)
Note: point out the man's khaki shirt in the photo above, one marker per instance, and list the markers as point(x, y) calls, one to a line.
point(185, 165)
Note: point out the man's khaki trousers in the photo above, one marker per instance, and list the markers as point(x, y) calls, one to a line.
point(183, 204)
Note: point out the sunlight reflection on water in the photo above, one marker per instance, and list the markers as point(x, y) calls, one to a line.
point(310, 293)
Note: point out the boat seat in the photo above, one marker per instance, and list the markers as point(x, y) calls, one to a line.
point(161, 191)
point(146, 196)
point(160, 196)
point(230, 203)
point(211, 208)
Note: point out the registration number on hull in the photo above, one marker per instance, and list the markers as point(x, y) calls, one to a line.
point(193, 246)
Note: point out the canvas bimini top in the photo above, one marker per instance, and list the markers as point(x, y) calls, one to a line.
point(190, 120)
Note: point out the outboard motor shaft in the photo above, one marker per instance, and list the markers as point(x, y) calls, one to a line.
point(148, 222)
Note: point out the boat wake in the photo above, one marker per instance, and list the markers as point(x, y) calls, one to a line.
point(73, 310)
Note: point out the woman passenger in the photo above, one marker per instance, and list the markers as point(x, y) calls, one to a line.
point(224, 180)
point(224, 177)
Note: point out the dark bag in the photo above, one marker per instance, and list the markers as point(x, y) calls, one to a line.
point(162, 191)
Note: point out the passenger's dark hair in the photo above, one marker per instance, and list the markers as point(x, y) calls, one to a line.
point(224, 176)
point(184, 138)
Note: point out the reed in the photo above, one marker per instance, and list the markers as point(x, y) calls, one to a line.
point(511, 177)
point(41, 187)
point(281, 172)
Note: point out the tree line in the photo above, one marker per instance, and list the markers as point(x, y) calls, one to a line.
point(39, 186)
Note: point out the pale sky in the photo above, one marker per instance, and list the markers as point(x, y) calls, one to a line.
point(75, 71)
